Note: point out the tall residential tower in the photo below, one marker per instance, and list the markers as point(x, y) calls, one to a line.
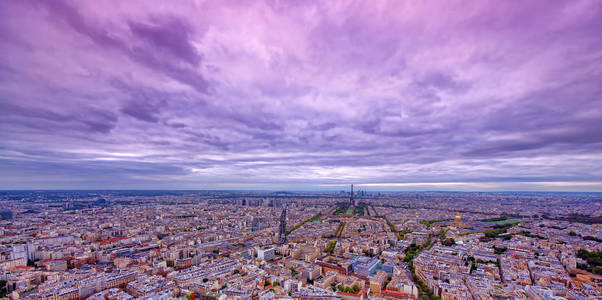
point(282, 229)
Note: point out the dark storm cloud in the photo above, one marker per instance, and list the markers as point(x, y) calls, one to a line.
point(171, 35)
point(86, 119)
point(159, 45)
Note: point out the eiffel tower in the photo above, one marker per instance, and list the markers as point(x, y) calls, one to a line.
point(351, 198)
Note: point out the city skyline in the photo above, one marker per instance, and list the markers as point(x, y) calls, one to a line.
point(269, 95)
point(218, 245)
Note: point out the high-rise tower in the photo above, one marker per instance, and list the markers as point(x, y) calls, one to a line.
point(282, 229)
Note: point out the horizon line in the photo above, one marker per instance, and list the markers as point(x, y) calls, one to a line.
point(294, 191)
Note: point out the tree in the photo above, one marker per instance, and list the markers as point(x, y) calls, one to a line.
point(572, 233)
point(330, 247)
point(499, 250)
point(593, 259)
point(3, 289)
point(449, 242)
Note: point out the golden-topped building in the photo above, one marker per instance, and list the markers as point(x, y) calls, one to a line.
point(458, 222)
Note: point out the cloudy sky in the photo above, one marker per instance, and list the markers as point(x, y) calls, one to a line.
point(389, 95)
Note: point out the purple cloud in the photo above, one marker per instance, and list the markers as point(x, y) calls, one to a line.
point(301, 95)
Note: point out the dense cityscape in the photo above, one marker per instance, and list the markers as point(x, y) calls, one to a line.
point(301, 150)
point(300, 245)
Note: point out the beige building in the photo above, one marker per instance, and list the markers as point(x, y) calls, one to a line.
point(377, 283)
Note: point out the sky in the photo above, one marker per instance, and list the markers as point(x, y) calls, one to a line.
point(301, 95)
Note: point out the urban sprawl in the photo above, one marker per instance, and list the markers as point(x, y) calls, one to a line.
point(349, 244)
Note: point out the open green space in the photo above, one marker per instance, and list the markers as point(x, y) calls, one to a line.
point(507, 221)
point(314, 218)
point(339, 230)
point(341, 208)
point(428, 223)
point(593, 259)
point(330, 246)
